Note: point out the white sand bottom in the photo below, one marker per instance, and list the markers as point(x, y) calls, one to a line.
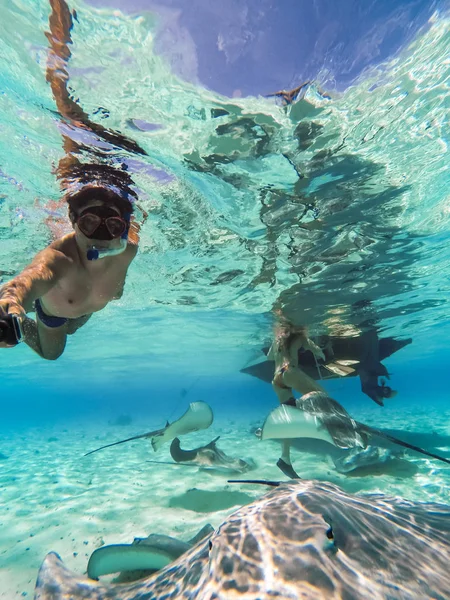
point(52, 498)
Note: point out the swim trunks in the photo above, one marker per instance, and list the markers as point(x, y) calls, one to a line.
point(48, 320)
point(278, 378)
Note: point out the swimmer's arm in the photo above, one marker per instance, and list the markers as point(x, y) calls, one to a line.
point(297, 343)
point(310, 345)
point(303, 341)
point(46, 269)
point(131, 251)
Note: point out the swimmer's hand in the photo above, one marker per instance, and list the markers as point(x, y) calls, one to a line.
point(318, 353)
point(8, 306)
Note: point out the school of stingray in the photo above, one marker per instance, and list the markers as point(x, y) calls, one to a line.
point(303, 538)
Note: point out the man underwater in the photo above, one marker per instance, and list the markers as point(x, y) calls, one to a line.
point(76, 275)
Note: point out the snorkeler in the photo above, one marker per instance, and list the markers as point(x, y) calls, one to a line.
point(288, 341)
point(80, 273)
point(75, 275)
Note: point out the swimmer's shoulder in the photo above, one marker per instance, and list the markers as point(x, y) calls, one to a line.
point(60, 256)
point(65, 246)
point(132, 250)
point(126, 257)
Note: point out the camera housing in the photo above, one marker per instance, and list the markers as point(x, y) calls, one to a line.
point(11, 330)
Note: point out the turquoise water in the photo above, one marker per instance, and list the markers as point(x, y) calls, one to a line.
point(335, 206)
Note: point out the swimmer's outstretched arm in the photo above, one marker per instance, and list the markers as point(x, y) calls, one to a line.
point(46, 269)
point(303, 341)
point(315, 349)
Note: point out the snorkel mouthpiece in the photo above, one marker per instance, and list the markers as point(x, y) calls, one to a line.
point(94, 253)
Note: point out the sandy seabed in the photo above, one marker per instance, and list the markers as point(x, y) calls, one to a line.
point(53, 498)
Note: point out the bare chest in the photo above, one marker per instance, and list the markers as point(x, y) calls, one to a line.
point(83, 292)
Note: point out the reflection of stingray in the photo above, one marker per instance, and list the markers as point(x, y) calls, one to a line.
point(350, 348)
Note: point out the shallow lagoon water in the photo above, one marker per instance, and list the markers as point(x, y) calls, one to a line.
point(232, 181)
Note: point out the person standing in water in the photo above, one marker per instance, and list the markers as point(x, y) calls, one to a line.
point(288, 342)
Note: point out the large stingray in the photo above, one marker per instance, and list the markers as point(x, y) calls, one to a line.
point(302, 539)
point(198, 416)
point(143, 557)
point(318, 416)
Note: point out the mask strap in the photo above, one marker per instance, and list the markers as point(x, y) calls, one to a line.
point(127, 218)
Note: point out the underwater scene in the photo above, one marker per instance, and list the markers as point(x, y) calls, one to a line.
point(224, 283)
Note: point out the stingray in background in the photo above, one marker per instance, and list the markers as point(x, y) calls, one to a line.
point(303, 539)
point(141, 558)
point(344, 357)
point(382, 458)
point(198, 416)
point(318, 416)
point(209, 456)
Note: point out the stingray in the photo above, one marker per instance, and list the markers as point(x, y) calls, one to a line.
point(358, 457)
point(318, 416)
point(198, 416)
point(303, 539)
point(210, 457)
point(370, 457)
point(142, 557)
point(361, 461)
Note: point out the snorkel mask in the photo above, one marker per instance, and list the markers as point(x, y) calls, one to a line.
point(103, 223)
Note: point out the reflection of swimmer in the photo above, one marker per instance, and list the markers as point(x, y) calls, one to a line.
point(288, 376)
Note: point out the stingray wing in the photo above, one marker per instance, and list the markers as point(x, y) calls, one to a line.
point(322, 406)
point(56, 582)
point(334, 418)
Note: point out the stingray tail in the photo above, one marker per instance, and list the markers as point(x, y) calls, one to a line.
point(390, 438)
point(255, 481)
point(213, 443)
point(135, 437)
